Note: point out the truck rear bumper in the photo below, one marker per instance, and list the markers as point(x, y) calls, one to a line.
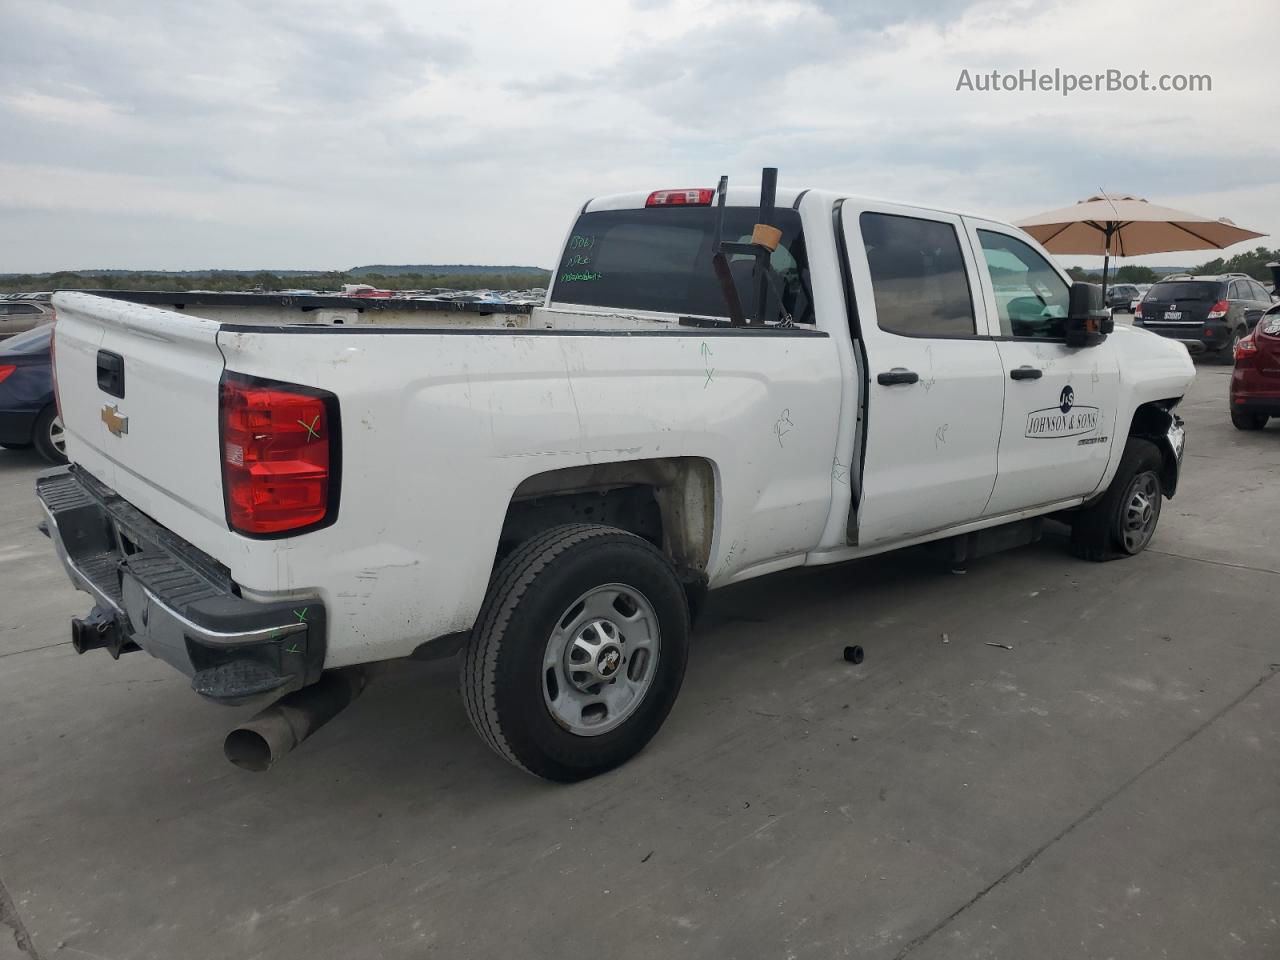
point(158, 592)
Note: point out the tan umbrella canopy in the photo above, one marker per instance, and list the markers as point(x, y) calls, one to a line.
point(1129, 227)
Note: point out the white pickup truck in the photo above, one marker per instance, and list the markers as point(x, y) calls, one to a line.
point(721, 384)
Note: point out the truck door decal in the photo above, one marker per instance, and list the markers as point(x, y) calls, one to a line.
point(1067, 419)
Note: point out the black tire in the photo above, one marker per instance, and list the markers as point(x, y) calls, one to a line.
point(503, 673)
point(1228, 353)
point(1098, 531)
point(15, 446)
point(45, 436)
point(1248, 421)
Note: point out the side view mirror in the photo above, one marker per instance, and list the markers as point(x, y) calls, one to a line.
point(1088, 321)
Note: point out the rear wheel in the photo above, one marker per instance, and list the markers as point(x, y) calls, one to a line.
point(1228, 354)
point(1248, 421)
point(49, 437)
point(1123, 522)
point(578, 652)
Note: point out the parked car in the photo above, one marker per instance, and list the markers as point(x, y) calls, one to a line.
point(267, 501)
point(1121, 296)
point(28, 413)
point(1209, 314)
point(20, 315)
point(1255, 381)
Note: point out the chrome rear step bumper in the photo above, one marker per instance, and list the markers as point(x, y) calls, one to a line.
point(154, 590)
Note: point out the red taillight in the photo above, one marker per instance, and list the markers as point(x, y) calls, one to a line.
point(680, 198)
point(1246, 348)
point(279, 456)
point(5, 371)
point(1137, 312)
point(1219, 310)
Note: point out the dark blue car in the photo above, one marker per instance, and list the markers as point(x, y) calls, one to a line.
point(28, 415)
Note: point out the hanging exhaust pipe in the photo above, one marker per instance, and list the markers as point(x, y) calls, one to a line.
point(263, 739)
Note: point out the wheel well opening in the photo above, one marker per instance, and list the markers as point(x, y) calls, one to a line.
point(668, 501)
point(1151, 421)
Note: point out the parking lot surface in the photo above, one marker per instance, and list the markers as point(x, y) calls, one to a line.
point(1109, 787)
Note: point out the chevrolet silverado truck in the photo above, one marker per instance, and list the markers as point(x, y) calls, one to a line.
point(273, 496)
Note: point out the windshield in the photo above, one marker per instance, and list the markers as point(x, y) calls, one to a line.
point(1186, 290)
point(660, 260)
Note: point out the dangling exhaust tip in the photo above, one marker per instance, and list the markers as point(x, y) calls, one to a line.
point(262, 740)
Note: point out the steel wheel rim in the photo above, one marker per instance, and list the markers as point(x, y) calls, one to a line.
point(1141, 511)
point(58, 435)
point(601, 659)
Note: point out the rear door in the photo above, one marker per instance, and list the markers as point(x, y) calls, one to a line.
point(935, 387)
point(138, 389)
point(1059, 420)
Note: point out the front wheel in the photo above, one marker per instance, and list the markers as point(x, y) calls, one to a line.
point(1123, 522)
point(578, 652)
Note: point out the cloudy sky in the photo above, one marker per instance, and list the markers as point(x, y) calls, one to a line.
point(243, 133)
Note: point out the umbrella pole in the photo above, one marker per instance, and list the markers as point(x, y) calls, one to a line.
point(1106, 261)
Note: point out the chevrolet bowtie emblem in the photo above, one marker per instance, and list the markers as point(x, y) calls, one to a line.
point(115, 423)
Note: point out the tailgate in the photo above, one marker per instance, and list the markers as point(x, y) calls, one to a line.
point(138, 389)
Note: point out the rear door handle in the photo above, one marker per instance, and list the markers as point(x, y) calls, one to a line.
point(897, 375)
point(1026, 373)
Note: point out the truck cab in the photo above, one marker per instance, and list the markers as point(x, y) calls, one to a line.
point(721, 383)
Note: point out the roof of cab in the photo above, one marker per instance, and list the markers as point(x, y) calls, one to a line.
point(749, 196)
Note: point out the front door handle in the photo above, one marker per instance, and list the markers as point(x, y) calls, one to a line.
point(897, 375)
point(1026, 373)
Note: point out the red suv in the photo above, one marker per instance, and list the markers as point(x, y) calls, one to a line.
point(1255, 381)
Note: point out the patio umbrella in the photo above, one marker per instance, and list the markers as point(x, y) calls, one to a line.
point(1129, 227)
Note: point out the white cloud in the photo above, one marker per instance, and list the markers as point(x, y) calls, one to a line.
point(237, 134)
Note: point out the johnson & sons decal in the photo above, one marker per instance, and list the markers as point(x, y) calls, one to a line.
point(1067, 419)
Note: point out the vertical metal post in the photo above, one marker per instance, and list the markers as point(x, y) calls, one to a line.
point(1106, 260)
point(768, 197)
point(720, 262)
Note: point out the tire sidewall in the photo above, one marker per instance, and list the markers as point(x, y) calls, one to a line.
point(532, 733)
point(1147, 460)
point(41, 440)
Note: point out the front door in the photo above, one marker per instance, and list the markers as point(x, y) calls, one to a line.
point(1060, 402)
point(934, 379)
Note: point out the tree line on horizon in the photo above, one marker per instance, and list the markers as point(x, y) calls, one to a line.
point(1253, 262)
point(264, 281)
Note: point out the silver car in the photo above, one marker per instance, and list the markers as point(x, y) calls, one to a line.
point(18, 315)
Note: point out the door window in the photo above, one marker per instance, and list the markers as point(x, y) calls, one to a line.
point(1031, 297)
point(918, 276)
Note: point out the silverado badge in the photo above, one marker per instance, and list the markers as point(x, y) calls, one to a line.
point(115, 423)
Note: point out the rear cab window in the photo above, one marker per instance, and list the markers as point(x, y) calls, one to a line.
point(658, 259)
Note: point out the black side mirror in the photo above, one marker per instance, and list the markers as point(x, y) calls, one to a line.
point(1088, 321)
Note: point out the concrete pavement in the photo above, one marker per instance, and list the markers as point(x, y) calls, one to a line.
point(1110, 787)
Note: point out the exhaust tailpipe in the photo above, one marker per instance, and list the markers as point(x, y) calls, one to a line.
point(262, 740)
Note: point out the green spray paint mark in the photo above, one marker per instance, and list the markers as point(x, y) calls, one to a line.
point(301, 614)
point(312, 432)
